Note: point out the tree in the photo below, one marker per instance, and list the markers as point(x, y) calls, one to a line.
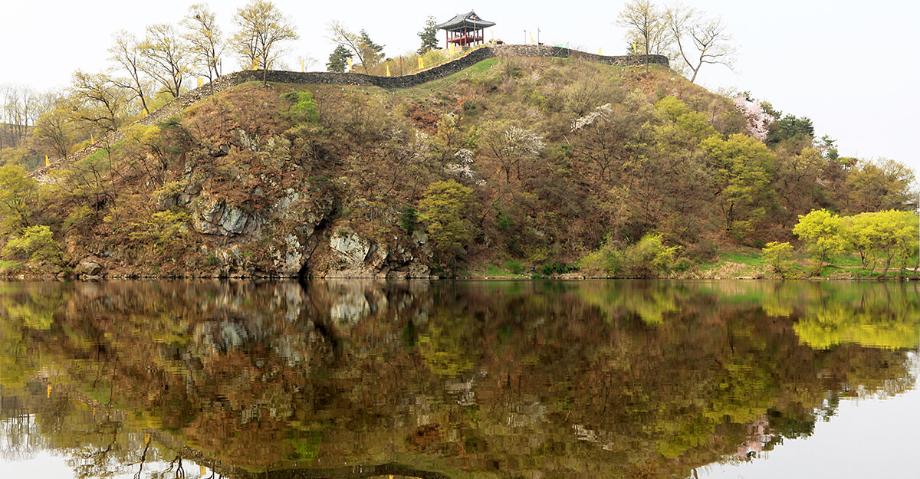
point(744, 168)
point(700, 41)
point(166, 58)
point(821, 232)
point(373, 53)
point(428, 36)
point(778, 256)
point(54, 130)
point(445, 211)
point(205, 40)
point(791, 128)
point(18, 192)
point(126, 52)
point(338, 59)
point(798, 182)
point(262, 28)
point(98, 101)
point(20, 108)
point(647, 28)
point(512, 147)
point(360, 44)
point(885, 236)
point(881, 185)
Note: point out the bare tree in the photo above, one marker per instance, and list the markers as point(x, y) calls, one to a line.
point(647, 27)
point(205, 40)
point(54, 130)
point(126, 52)
point(99, 101)
point(700, 41)
point(166, 58)
point(261, 28)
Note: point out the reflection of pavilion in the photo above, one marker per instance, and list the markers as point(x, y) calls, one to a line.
point(465, 29)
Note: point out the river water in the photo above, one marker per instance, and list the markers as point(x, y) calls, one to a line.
point(353, 379)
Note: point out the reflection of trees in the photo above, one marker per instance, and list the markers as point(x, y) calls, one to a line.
point(883, 315)
point(621, 379)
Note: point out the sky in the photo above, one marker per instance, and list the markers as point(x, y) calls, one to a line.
point(848, 65)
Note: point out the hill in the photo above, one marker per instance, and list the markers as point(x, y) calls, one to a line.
point(510, 165)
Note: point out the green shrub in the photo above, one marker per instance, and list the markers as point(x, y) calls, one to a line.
point(649, 257)
point(514, 266)
point(303, 107)
point(556, 267)
point(35, 244)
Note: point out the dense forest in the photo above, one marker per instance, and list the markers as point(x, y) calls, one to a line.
point(512, 167)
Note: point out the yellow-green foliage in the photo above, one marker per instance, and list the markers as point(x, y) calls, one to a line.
point(778, 256)
point(829, 326)
point(820, 230)
point(18, 192)
point(649, 257)
point(35, 244)
point(164, 228)
point(883, 238)
point(445, 211)
point(743, 172)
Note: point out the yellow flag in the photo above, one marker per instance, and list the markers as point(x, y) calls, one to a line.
point(47, 161)
point(49, 389)
point(351, 63)
point(200, 81)
point(421, 63)
point(388, 69)
point(303, 66)
point(202, 471)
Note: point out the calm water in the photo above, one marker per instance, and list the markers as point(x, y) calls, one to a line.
point(525, 380)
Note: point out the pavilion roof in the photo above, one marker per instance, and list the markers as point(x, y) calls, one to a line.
point(467, 20)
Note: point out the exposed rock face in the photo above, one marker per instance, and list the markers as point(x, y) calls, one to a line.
point(216, 217)
point(352, 248)
point(88, 267)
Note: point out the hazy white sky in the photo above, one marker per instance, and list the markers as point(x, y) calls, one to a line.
point(849, 65)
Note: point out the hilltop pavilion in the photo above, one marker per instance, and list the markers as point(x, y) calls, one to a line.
point(465, 29)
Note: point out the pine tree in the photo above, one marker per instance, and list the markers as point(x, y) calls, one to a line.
point(370, 51)
point(429, 36)
point(338, 59)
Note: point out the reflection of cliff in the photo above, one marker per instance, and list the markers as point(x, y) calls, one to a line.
point(620, 379)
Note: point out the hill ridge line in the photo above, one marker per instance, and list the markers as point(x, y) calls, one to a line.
point(352, 78)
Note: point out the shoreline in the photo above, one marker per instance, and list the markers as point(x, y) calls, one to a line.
point(471, 278)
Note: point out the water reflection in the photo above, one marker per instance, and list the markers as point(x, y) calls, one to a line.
point(362, 379)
